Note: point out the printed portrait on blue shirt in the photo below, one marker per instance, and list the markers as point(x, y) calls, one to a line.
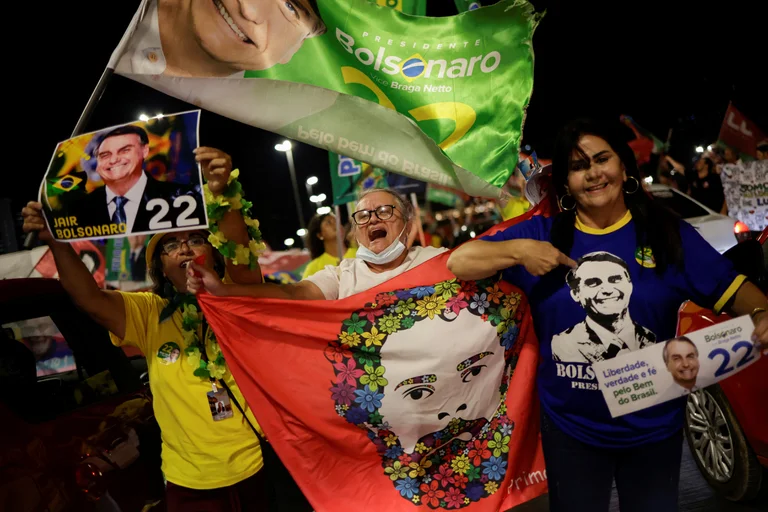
point(601, 284)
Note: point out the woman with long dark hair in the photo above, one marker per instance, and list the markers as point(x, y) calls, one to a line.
point(323, 247)
point(606, 276)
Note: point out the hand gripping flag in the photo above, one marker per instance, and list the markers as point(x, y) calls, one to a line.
point(416, 394)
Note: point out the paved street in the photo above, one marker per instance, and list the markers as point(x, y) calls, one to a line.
point(695, 494)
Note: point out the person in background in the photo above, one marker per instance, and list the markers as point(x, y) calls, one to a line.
point(674, 179)
point(762, 150)
point(731, 156)
point(706, 186)
point(323, 245)
point(673, 174)
point(349, 229)
point(210, 465)
point(604, 209)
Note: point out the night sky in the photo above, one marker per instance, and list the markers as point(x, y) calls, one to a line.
point(668, 64)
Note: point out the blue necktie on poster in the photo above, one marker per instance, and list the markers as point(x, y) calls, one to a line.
point(119, 216)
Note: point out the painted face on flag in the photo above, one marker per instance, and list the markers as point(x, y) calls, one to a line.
point(438, 378)
point(253, 34)
point(425, 372)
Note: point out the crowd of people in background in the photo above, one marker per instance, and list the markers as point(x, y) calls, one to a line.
point(702, 181)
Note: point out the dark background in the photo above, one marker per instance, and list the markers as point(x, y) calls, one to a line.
point(668, 64)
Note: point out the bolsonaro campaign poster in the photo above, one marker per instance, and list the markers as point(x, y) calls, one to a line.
point(130, 179)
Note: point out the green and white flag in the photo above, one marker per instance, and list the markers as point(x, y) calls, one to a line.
point(437, 99)
point(350, 177)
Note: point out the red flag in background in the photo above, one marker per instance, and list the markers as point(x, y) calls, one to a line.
point(740, 133)
point(417, 394)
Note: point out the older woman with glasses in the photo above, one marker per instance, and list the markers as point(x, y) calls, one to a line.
point(385, 230)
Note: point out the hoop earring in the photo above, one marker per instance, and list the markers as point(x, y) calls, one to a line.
point(562, 207)
point(637, 185)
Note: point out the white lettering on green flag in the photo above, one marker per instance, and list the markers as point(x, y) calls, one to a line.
point(437, 99)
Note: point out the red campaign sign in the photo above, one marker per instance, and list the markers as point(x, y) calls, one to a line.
point(739, 132)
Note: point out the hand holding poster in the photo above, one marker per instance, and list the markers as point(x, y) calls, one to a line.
point(129, 179)
point(682, 365)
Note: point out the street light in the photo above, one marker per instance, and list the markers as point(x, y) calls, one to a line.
point(318, 198)
point(699, 149)
point(143, 117)
point(301, 232)
point(288, 242)
point(323, 210)
point(285, 147)
point(312, 180)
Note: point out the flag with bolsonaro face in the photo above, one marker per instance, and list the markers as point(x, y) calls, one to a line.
point(441, 100)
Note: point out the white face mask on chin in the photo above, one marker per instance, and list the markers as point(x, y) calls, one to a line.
point(388, 255)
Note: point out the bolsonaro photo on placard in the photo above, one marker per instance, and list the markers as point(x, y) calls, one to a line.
point(130, 179)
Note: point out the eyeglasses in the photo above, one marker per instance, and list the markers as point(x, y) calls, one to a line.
point(172, 247)
point(383, 212)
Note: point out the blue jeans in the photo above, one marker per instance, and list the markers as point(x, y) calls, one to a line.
point(580, 476)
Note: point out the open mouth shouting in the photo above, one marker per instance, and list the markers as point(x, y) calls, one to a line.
point(376, 233)
point(231, 22)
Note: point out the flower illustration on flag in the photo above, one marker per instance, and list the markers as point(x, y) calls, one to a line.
point(425, 371)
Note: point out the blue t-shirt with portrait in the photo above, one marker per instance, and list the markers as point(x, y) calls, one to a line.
point(614, 302)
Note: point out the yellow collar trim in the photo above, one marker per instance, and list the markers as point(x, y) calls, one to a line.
point(610, 229)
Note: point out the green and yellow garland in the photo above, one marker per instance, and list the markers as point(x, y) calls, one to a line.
point(192, 316)
point(218, 206)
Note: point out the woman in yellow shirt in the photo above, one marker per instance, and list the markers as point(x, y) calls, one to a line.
point(323, 247)
point(211, 457)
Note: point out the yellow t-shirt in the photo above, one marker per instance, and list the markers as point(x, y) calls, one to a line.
point(325, 259)
point(198, 452)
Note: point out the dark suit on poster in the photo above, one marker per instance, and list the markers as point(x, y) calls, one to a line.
point(93, 209)
point(139, 265)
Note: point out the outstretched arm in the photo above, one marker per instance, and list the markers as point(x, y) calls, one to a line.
point(479, 259)
point(201, 279)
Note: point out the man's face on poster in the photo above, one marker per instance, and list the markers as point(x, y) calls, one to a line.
point(467, 373)
point(253, 34)
point(683, 362)
point(604, 288)
point(121, 158)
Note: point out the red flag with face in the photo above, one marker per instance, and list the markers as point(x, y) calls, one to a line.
point(416, 394)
